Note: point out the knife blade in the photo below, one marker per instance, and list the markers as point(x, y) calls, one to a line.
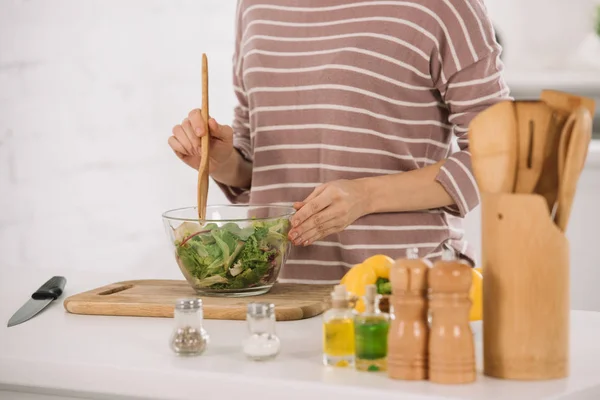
point(40, 299)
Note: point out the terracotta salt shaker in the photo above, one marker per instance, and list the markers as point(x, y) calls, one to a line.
point(451, 344)
point(408, 337)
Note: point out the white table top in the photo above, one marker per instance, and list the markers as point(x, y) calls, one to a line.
point(122, 357)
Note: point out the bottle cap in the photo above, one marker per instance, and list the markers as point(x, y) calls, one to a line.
point(370, 298)
point(339, 293)
point(188, 304)
point(448, 255)
point(371, 293)
point(449, 275)
point(412, 253)
point(261, 310)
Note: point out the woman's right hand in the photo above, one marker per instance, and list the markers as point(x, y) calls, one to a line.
point(186, 143)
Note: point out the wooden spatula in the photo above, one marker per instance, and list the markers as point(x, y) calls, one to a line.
point(563, 104)
point(205, 142)
point(567, 102)
point(534, 120)
point(493, 143)
point(575, 146)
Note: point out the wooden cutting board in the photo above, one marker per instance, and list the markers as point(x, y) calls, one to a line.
point(156, 298)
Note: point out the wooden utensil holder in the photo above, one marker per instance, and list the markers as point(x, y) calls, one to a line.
point(525, 289)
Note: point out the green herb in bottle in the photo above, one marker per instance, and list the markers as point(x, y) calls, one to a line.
point(370, 334)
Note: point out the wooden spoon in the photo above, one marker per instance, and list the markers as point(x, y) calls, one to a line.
point(534, 120)
point(563, 104)
point(493, 143)
point(205, 142)
point(564, 141)
point(575, 145)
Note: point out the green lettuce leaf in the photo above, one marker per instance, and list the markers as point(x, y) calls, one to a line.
point(231, 257)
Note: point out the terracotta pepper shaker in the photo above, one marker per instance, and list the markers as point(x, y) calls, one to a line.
point(408, 337)
point(451, 346)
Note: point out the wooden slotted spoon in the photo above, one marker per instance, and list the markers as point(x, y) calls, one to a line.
point(205, 142)
point(534, 121)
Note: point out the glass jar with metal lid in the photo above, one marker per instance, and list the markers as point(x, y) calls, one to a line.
point(189, 337)
point(262, 343)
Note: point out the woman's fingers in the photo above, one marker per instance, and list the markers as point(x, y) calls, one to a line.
point(181, 136)
point(315, 226)
point(314, 203)
point(318, 227)
point(320, 235)
point(318, 190)
point(186, 140)
point(217, 131)
point(177, 147)
point(224, 133)
point(197, 122)
point(191, 160)
point(189, 132)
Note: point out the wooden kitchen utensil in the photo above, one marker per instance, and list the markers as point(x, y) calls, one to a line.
point(408, 336)
point(563, 104)
point(156, 298)
point(451, 344)
point(494, 146)
point(525, 289)
point(563, 143)
point(205, 142)
point(525, 256)
point(534, 120)
point(573, 152)
point(567, 102)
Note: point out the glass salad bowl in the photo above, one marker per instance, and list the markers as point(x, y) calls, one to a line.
point(236, 251)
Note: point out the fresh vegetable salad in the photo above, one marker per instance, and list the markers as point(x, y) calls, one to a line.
point(230, 256)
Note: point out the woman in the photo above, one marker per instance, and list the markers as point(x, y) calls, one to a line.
point(347, 109)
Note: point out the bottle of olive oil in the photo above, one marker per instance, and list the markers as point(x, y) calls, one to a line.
point(371, 334)
point(338, 330)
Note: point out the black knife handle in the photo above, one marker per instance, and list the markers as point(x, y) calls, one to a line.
point(50, 290)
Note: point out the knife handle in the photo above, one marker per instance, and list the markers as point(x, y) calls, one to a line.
point(50, 290)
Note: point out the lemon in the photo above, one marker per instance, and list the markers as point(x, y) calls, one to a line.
point(476, 296)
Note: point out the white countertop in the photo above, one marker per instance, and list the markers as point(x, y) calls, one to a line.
point(122, 357)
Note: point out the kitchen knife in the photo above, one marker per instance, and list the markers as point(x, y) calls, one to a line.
point(39, 300)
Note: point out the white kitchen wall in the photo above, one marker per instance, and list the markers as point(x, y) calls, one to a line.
point(89, 92)
point(542, 33)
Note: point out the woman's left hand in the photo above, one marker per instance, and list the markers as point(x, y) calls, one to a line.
point(329, 209)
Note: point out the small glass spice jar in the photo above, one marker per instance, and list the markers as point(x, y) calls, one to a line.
point(189, 337)
point(262, 344)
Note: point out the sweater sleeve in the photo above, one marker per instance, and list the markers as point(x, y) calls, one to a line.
point(241, 118)
point(467, 71)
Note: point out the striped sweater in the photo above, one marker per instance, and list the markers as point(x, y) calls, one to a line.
point(345, 89)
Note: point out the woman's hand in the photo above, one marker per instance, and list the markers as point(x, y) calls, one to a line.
point(330, 208)
point(186, 144)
